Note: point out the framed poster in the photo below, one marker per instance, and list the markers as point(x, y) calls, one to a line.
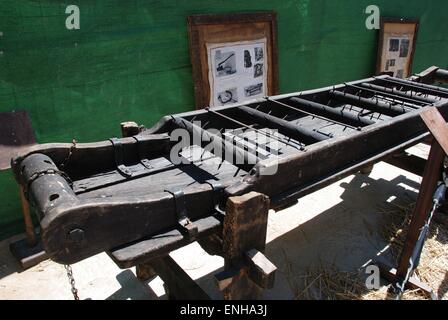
point(234, 57)
point(396, 46)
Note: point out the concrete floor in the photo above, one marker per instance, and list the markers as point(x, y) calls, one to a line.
point(337, 225)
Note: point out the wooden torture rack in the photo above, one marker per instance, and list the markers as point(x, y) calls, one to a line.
point(148, 193)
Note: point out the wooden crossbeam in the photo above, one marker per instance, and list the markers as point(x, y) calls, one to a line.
point(437, 125)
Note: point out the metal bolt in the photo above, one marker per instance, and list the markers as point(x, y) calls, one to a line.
point(76, 235)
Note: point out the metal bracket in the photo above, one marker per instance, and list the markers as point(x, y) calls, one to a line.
point(217, 188)
point(186, 225)
point(145, 162)
point(118, 150)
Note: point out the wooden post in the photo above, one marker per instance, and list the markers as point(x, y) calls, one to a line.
point(144, 271)
point(129, 129)
point(423, 206)
point(28, 251)
point(246, 270)
point(431, 176)
point(29, 227)
point(439, 148)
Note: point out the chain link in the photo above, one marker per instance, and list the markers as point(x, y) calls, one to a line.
point(70, 152)
point(71, 280)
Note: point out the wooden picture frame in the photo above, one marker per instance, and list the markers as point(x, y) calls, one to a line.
point(394, 57)
point(207, 29)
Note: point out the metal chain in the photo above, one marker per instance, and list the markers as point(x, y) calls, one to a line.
point(71, 280)
point(70, 152)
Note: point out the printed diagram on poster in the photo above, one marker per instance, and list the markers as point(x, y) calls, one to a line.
point(397, 55)
point(396, 46)
point(237, 71)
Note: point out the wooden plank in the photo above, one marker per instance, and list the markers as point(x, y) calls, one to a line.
point(146, 250)
point(26, 255)
point(437, 125)
point(80, 160)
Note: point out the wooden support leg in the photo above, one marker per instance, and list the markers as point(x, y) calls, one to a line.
point(29, 228)
point(423, 206)
point(246, 270)
point(29, 251)
point(367, 170)
point(145, 271)
point(431, 176)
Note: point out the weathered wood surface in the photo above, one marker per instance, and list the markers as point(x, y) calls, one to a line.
point(437, 126)
point(245, 226)
point(129, 129)
point(147, 249)
point(29, 225)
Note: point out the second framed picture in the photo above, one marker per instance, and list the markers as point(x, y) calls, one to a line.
point(396, 46)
